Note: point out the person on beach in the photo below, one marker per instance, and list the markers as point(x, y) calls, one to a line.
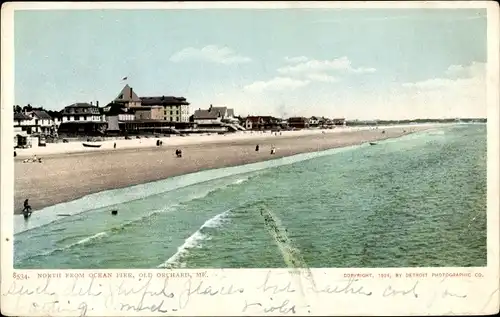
point(27, 209)
point(257, 148)
point(178, 153)
point(273, 150)
point(114, 145)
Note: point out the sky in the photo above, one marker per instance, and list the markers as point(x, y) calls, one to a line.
point(350, 63)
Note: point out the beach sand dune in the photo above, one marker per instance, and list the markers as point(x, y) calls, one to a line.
point(65, 177)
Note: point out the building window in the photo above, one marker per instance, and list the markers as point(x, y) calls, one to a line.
point(171, 112)
point(177, 112)
point(77, 118)
point(171, 118)
point(176, 118)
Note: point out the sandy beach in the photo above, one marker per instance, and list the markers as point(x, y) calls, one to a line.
point(69, 171)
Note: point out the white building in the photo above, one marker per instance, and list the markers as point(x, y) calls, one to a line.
point(82, 112)
point(35, 121)
point(44, 123)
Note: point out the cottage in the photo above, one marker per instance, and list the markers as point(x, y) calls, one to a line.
point(214, 115)
point(314, 121)
point(25, 122)
point(339, 121)
point(262, 123)
point(298, 122)
point(43, 121)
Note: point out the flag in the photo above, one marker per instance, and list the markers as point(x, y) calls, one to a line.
point(124, 78)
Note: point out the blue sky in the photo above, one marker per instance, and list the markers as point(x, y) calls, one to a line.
point(353, 63)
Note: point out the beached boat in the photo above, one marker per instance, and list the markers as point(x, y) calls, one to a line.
point(91, 145)
point(373, 143)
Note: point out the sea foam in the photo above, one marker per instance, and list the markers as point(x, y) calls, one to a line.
point(193, 241)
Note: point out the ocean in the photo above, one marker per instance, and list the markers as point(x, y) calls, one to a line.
point(414, 201)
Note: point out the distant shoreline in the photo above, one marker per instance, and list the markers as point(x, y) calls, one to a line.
point(64, 177)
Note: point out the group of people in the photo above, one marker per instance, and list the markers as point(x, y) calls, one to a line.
point(273, 149)
point(178, 153)
point(34, 159)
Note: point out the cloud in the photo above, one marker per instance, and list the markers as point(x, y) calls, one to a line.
point(475, 69)
point(457, 77)
point(342, 64)
point(210, 53)
point(322, 78)
point(276, 84)
point(296, 59)
point(460, 92)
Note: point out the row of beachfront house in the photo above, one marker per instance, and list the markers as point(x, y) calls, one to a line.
point(130, 114)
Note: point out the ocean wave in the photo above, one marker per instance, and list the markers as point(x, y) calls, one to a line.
point(139, 219)
point(89, 239)
point(240, 181)
point(85, 241)
point(193, 241)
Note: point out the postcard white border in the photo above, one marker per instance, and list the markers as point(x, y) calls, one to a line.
point(334, 293)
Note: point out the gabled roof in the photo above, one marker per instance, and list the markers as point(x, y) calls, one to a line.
point(127, 95)
point(221, 110)
point(163, 100)
point(21, 116)
point(205, 114)
point(41, 114)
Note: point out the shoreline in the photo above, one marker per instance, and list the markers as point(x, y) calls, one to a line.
point(64, 177)
point(76, 147)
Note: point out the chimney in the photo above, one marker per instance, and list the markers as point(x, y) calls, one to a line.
point(97, 103)
point(210, 108)
point(131, 92)
point(91, 103)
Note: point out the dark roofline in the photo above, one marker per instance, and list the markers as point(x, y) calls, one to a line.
point(81, 105)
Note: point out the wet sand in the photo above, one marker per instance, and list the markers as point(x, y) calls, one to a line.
point(65, 177)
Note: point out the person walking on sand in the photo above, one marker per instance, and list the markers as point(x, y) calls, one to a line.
point(27, 209)
point(273, 150)
point(114, 145)
point(257, 148)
